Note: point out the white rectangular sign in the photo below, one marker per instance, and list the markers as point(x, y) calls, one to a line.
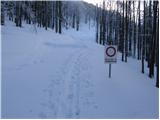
point(110, 54)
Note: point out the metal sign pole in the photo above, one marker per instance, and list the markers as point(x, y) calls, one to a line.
point(110, 56)
point(109, 70)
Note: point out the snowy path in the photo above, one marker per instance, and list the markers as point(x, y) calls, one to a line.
point(72, 77)
point(64, 76)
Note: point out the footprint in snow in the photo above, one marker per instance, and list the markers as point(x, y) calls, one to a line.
point(30, 111)
point(18, 68)
point(96, 106)
point(34, 62)
point(77, 113)
point(42, 115)
point(43, 104)
point(73, 77)
point(70, 96)
point(41, 61)
point(21, 66)
point(51, 106)
point(90, 94)
point(38, 61)
point(56, 81)
point(44, 90)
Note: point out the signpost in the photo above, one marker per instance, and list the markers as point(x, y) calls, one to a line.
point(110, 56)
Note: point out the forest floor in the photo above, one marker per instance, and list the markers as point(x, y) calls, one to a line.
point(47, 75)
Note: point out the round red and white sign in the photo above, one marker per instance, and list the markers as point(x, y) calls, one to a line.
point(110, 51)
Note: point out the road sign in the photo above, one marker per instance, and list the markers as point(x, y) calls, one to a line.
point(110, 54)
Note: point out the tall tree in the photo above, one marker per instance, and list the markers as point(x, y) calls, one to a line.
point(56, 16)
point(60, 16)
point(45, 14)
point(2, 13)
point(130, 29)
point(143, 42)
point(77, 19)
point(116, 24)
point(101, 28)
point(18, 18)
point(152, 53)
point(139, 32)
point(103, 24)
point(73, 20)
point(97, 22)
point(157, 51)
point(134, 19)
point(123, 21)
point(126, 32)
point(53, 14)
point(150, 29)
point(110, 40)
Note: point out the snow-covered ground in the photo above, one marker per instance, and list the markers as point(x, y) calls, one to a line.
point(47, 75)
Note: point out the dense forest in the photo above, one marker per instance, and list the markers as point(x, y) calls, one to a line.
point(134, 29)
point(47, 14)
point(131, 25)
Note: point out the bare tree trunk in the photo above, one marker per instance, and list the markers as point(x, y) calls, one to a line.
point(126, 33)
point(130, 30)
point(56, 18)
point(143, 42)
point(103, 24)
point(73, 22)
point(152, 58)
point(134, 49)
point(60, 16)
point(97, 22)
point(2, 13)
point(123, 34)
point(139, 32)
point(157, 52)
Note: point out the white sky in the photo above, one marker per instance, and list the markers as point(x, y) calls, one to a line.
point(93, 1)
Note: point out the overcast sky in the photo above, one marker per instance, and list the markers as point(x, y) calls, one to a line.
point(93, 1)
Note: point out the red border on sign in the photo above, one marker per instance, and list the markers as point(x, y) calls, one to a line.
point(113, 52)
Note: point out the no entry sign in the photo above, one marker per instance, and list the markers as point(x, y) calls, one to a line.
point(110, 53)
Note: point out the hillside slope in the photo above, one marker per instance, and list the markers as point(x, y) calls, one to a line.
point(47, 75)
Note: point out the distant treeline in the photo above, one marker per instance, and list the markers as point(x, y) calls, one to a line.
point(47, 14)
